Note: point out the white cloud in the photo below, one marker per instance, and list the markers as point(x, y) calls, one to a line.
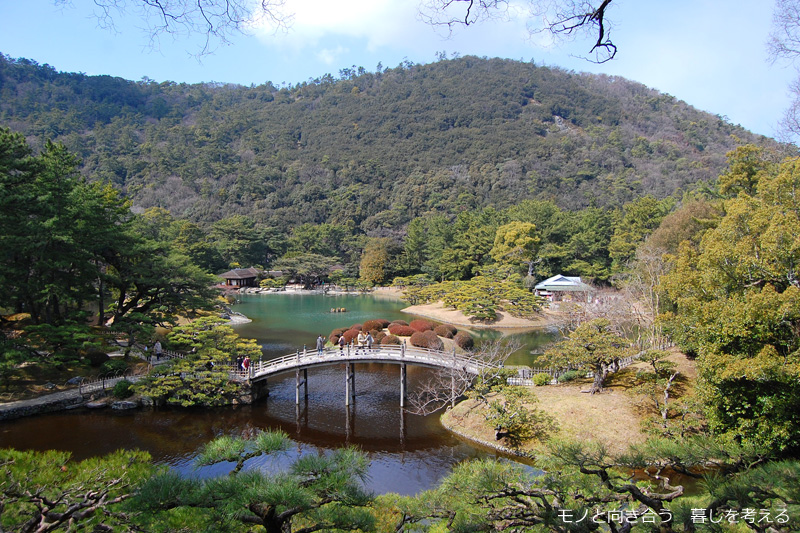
point(331, 57)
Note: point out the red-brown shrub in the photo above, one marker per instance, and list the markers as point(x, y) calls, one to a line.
point(422, 325)
point(356, 326)
point(445, 330)
point(464, 340)
point(426, 339)
point(400, 322)
point(376, 324)
point(334, 339)
point(402, 331)
point(339, 331)
point(390, 339)
point(351, 334)
point(379, 336)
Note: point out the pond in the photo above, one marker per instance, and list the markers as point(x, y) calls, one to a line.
point(408, 453)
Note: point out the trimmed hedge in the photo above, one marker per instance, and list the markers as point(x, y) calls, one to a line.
point(334, 339)
point(445, 330)
point(464, 340)
point(422, 325)
point(400, 322)
point(338, 331)
point(379, 336)
point(375, 324)
point(402, 331)
point(426, 339)
point(571, 375)
point(541, 379)
point(390, 339)
point(356, 326)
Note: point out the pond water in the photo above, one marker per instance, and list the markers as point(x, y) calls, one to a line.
point(408, 453)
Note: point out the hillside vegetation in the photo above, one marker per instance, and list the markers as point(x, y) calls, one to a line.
point(375, 148)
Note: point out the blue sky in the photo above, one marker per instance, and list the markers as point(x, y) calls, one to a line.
point(710, 54)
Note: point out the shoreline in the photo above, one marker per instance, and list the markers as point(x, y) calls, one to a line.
point(437, 311)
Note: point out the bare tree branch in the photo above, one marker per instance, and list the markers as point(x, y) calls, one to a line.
point(215, 21)
point(445, 387)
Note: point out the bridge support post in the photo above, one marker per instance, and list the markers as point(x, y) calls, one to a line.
point(403, 383)
point(349, 384)
point(298, 383)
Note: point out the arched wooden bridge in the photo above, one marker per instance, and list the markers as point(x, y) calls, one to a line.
point(401, 355)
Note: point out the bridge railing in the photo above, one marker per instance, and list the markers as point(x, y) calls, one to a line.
point(389, 353)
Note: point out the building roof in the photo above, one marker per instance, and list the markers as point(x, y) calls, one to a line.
point(241, 273)
point(563, 283)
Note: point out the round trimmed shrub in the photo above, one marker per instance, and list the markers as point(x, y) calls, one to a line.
point(357, 326)
point(541, 379)
point(379, 336)
point(390, 339)
point(401, 331)
point(122, 389)
point(445, 330)
point(338, 331)
point(464, 340)
point(376, 324)
point(570, 375)
point(350, 334)
point(400, 322)
point(426, 339)
point(334, 339)
point(422, 325)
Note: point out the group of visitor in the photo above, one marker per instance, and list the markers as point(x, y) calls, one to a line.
point(363, 341)
point(243, 363)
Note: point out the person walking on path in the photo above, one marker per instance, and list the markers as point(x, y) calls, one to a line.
point(157, 350)
point(320, 345)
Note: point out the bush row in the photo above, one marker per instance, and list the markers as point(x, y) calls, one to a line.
point(401, 328)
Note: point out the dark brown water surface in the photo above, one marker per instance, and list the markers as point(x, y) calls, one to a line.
point(408, 453)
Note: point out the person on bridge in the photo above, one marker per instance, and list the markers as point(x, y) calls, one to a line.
point(370, 340)
point(157, 350)
point(246, 363)
point(320, 344)
point(362, 340)
point(342, 342)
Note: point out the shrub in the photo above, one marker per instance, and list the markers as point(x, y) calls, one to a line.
point(570, 375)
point(422, 325)
point(379, 336)
point(115, 365)
point(426, 339)
point(338, 331)
point(399, 322)
point(541, 379)
point(464, 340)
point(402, 331)
point(96, 357)
point(376, 324)
point(334, 339)
point(122, 389)
point(390, 339)
point(357, 326)
point(445, 330)
point(350, 334)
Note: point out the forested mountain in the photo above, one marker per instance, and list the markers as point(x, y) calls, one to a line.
point(376, 148)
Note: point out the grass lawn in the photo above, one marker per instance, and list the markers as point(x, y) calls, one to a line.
point(613, 417)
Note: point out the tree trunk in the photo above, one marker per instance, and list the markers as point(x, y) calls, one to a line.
point(600, 374)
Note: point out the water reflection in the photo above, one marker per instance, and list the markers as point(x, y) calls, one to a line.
point(408, 453)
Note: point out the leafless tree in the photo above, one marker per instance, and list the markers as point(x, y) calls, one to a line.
point(561, 18)
point(216, 21)
point(446, 386)
point(784, 44)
